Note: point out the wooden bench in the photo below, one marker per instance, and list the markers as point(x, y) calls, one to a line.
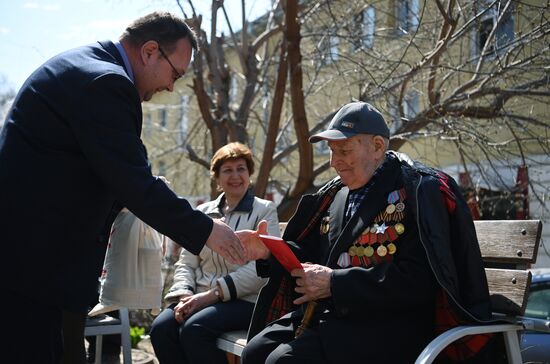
point(508, 249)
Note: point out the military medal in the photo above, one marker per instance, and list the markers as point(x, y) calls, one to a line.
point(393, 197)
point(400, 207)
point(380, 229)
point(381, 250)
point(325, 225)
point(400, 228)
point(364, 238)
point(384, 230)
point(392, 234)
point(344, 260)
point(369, 251)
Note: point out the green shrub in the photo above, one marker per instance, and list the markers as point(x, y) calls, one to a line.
point(136, 333)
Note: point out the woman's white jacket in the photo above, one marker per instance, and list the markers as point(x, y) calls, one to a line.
point(199, 273)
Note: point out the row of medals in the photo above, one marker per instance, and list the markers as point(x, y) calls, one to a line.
point(386, 228)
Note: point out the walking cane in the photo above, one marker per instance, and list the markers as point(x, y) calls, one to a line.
point(308, 314)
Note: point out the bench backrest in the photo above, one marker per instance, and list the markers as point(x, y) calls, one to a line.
point(508, 249)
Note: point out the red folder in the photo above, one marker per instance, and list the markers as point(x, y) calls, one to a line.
point(282, 252)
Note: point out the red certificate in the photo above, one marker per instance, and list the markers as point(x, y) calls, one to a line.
point(282, 252)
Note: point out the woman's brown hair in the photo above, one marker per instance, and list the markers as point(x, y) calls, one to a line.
point(229, 151)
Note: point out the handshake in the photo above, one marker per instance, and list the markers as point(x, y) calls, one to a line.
point(238, 247)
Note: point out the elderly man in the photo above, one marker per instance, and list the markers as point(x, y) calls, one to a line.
point(69, 149)
point(386, 243)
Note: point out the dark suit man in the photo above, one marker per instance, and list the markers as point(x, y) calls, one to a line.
point(69, 149)
point(387, 242)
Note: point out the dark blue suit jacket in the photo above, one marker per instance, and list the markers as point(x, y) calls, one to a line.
point(69, 149)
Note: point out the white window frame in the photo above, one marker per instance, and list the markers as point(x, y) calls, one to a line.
point(321, 148)
point(411, 104)
point(368, 26)
point(183, 126)
point(491, 17)
point(163, 117)
point(407, 16)
point(233, 88)
point(332, 49)
point(161, 168)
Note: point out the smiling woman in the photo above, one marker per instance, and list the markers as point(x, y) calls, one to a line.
point(214, 296)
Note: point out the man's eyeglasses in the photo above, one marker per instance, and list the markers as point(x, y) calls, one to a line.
point(178, 75)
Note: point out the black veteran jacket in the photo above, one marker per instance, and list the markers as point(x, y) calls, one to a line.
point(382, 307)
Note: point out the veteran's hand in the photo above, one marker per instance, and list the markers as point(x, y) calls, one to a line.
point(253, 246)
point(313, 281)
point(223, 241)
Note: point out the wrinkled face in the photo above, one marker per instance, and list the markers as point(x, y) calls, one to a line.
point(355, 159)
point(234, 178)
point(161, 69)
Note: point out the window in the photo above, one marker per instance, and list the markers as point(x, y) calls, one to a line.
point(411, 105)
point(163, 117)
point(504, 32)
point(393, 109)
point(162, 168)
point(407, 16)
point(538, 303)
point(364, 28)
point(184, 121)
point(233, 88)
point(321, 148)
point(328, 49)
point(333, 49)
point(250, 29)
point(147, 124)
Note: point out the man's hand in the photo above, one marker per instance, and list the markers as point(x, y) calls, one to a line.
point(223, 241)
point(253, 246)
point(313, 281)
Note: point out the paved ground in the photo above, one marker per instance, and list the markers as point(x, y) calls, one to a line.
point(144, 353)
point(146, 349)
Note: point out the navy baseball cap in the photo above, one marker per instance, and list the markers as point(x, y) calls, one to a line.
point(352, 119)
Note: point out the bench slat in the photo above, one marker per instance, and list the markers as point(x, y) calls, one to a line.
point(508, 289)
point(232, 342)
point(509, 241)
